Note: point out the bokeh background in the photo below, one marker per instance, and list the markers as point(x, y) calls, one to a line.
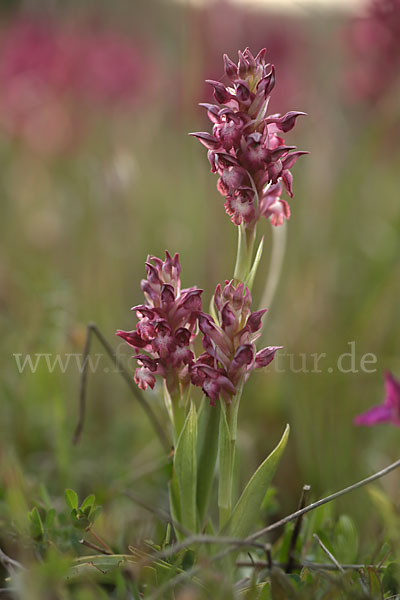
point(97, 171)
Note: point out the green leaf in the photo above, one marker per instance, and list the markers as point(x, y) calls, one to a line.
point(265, 592)
point(251, 276)
point(71, 498)
point(345, 540)
point(387, 511)
point(188, 560)
point(37, 529)
point(49, 520)
point(88, 502)
point(247, 509)
point(285, 543)
point(326, 540)
point(99, 563)
point(94, 513)
point(81, 522)
point(250, 592)
point(375, 585)
point(45, 496)
point(383, 555)
point(391, 579)
point(207, 450)
point(185, 463)
point(281, 587)
point(319, 519)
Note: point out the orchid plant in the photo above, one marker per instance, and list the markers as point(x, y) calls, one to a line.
point(199, 360)
point(247, 150)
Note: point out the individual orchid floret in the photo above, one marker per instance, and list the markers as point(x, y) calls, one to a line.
point(273, 206)
point(230, 353)
point(389, 410)
point(246, 148)
point(166, 326)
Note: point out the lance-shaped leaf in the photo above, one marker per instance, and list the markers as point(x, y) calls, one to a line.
point(37, 530)
point(185, 464)
point(281, 586)
point(247, 509)
point(207, 449)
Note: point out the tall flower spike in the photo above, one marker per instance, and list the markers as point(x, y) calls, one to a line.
point(166, 327)
point(230, 353)
point(389, 410)
point(246, 147)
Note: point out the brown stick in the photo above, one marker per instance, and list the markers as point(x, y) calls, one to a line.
point(296, 530)
point(8, 562)
point(262, 564)
point(158, 512)
point(93, 329)
point(328, 553)
point(94, 547)
point(102, 542)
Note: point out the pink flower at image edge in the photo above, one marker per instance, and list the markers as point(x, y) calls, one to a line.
point(389, 410)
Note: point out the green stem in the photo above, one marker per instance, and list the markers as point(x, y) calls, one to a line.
point(176, 408)
point(244, 255)
point(275, 265)
point(179, 421)
point(227, 450)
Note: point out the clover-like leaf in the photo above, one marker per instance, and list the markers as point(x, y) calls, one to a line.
point(71, 498)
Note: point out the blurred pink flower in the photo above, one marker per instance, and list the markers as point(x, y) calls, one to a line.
point(375, 44)
point(389, 410)
point(52, 72)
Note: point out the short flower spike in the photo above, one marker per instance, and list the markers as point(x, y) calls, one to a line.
point(230, 352)
point(166, 325)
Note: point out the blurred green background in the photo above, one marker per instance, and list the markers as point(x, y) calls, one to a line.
point(97, 171)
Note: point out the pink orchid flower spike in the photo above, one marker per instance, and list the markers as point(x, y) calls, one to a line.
point(246, 148)
point(389, 410)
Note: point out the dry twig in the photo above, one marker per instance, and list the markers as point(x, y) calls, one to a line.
point(93, 329)
point(296, 530)
point(328, 553)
